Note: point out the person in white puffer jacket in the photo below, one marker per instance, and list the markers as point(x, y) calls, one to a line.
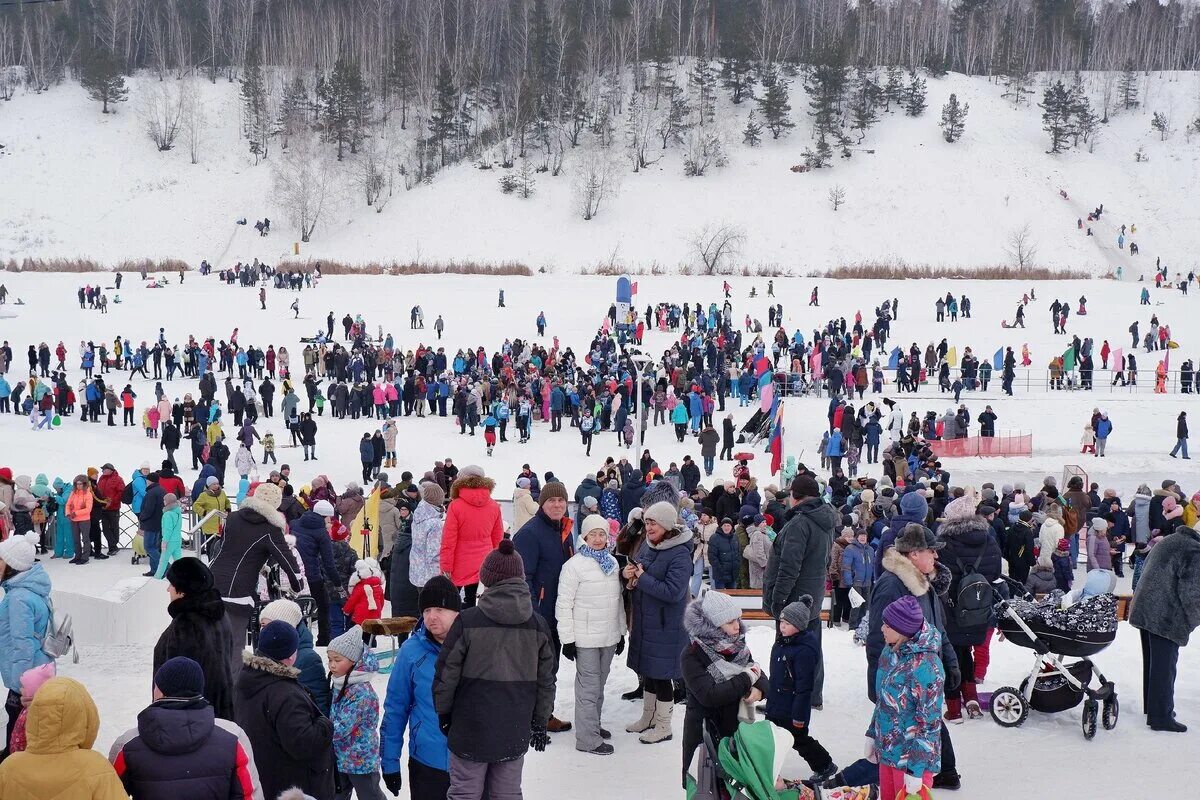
point(591, 625)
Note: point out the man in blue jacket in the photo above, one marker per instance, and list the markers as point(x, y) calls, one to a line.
point(409, 700)
point(545, 543)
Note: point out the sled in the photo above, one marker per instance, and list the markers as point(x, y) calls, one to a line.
point(1004, 324)
point(1172, 345)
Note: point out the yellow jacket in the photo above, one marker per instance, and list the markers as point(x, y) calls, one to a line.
point(207, 502)
point(1190, 514)
point(213, 432)
point(60, 763)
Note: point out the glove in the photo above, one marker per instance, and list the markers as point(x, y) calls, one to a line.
point(392, 781)
point(953, 679)
point(912, 784)
point(539, 739)
point(621, 646)
point(569, 651)
point(444, 723)
point(869, 751)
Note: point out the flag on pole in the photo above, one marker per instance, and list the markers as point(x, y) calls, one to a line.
point(1068, 359)
point(814, 363)
point(952, 356)
point(776, 445)
point(998, 360)
point(633, 289)
point(1118, 359)
point(894, 358)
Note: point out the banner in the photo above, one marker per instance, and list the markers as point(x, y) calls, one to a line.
point(998, 360)
point(952, 356)
point(894, 359)
point(776, 445)
point(1069, 359)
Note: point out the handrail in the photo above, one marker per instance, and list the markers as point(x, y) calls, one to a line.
point(198, 541)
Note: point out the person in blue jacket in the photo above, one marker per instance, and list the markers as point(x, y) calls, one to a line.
point(139, 486)
point(24, 617)
point(695, 410)
point(558, 400)
point(64, 542)
point(409, 700)
point(724, 556)
point(834, 451)
point(794, 659)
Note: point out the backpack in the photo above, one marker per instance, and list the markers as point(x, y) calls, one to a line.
point(59, 639)
point(127, 495)
point(975, 598)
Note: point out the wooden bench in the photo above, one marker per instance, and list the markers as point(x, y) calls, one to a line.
point(392, 627)
point(753, 611)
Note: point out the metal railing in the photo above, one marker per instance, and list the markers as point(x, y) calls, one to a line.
point(1025, 379)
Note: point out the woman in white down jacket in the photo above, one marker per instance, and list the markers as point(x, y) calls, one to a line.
point(591, 625)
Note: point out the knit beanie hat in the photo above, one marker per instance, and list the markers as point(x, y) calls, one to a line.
point(550, 491)
point(501, 564)
point(904, 616)
point(270, 494)
point(189, 575)
point(664, 514)
point(805, 486)
point(324, 508)
point(439, 592)
point(282, 610)
point(470, 471)
point(593, 522)
point(1100, 524)
point(523, 482)
point(962, 508)
point(1063, 546)
point(212, 480)
point(432, 493)
point(278, 641)
point(719, 607)
point(912, 504)
point(798, 613)
point(32, 679)
point(180, 677)
point(19, 551)
point(349, 645)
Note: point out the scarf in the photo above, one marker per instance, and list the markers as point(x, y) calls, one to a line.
point(728, 655)
point(603, 558)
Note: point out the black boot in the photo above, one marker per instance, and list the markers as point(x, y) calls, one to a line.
point(947, 780)
point(680, 694)
point(635, 693)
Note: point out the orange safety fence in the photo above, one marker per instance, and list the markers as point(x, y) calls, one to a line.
point(1020, 444)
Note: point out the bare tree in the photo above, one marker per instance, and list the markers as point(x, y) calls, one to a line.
point(161, 109)
point(597, 178)
point(193, 120)
point(716, 244)
point(837, 196)
point(305, 182)
point(1021, 247)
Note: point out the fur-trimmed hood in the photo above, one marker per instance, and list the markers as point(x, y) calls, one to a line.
point(472, 482)
point(268, 665)
point(916, 583)
point(272, 515)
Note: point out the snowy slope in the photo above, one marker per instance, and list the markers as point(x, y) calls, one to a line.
point(76, 183)
point(1144, 424)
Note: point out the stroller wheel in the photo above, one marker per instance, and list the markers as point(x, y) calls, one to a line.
point(1112, 710)
point(1089, 718)
point(1009, 708)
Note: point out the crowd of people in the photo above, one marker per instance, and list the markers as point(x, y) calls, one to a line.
point(586, 576)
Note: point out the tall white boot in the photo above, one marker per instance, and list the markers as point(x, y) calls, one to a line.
point(647, 719)
point(661, 730)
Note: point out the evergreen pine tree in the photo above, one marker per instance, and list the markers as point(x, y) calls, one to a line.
point(675, 123)
point(345, 106)
point(1160, 123)
point(445, 107)
point(1018, 86)
point(100, 74)
point(256, 117)
point(954, 119)
point(864, 95)
point(893, 91)
point(1056, 115)
point(704, 90)
point(1083, 121)
point(818, 156)
point(398, 80)
point(752, 134)
point(293, 111)
point(736, 53)
point(826, 85)
point(774, 105)
point(914, 96)
point(1127, 88)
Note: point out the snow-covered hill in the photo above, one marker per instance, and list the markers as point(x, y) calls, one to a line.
point(75, 183)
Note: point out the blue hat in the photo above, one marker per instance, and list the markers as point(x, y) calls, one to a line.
point(278, 641)
point(914, 504)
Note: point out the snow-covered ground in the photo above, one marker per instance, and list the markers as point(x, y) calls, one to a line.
point(81, 184)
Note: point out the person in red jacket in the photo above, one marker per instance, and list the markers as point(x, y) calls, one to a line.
point(109, 488)
point(366, 592)
point(171, 482)
point(473, 528)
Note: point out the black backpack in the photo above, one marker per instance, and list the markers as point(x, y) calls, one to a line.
point(975, 598)
point(127, 495)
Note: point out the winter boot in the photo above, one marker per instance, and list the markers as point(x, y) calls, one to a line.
point(643, 722)
point(635, 693)
point(661, 730)
point(953, 713)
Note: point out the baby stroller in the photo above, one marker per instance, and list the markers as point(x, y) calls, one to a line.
point(1053, 684)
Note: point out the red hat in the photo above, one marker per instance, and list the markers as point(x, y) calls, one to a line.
point(338, 532)
point(769, 519)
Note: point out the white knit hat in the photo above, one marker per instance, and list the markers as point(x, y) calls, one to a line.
point(282, 610)
point(19, 551)
point(324, 508)
point(719, 607)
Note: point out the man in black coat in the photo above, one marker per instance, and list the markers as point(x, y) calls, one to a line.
point(150, 521)
point(631, 493)
point(253, 535)
point(292, 739)
point(180, 748)
point(588, 487)
point(689, 475)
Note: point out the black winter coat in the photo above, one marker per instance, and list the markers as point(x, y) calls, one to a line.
point(544, 547)
point(967, 540)
point(177, 750)
point(689, 475)
point(253, 535)
point(291, 738)
point(200, 631)
point(315, 548)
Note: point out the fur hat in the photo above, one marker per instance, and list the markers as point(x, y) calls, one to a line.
point(349, 645)
point(962, 508)
point(917, 537)
point(501, 564)
point(432, 493)
point(189, 575)
point(439, 592)
point(366, 568)
point(659, 492)
point(282, 610)
point(551, 491)
point(798, 613)
point(664, 514)
point(719, 607)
